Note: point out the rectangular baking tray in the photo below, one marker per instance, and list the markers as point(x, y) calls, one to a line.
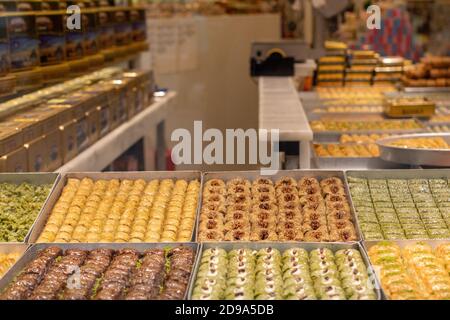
point(147, 176)
point(334, 136)
point(296, 174)
point(340, 163)
point(32, 178)
point(401, 243)
point(334, 246)
point(426, 89)
point(346, 163)
point(400, 174)
point(394, 174)
point(31, 253)
point(6, 248)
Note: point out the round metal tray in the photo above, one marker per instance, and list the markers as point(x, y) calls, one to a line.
point(415, 156)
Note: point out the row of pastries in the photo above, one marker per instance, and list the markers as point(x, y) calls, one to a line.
point(123, 211)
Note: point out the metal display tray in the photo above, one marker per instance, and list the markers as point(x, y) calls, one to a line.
point(334, 136)
point(394, 174)
point(334, 246)
point(296, 174)
point(346, 116)
point(341, 163)
point(6, 248)
point(415, 156)
point(32, 252)
point(33, 178)
point(426, 89)
point(401, 243)
point(147, 175)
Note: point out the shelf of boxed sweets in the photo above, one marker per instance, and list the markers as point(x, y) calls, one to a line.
point(348, 122)
point(37, 47)
point(242, 231)
point(40, 132)
point(356, 68)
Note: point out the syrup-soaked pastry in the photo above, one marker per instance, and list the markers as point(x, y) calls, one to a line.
point(58, 274)
point(256, 190)
point(343, 234)
point(326, 276)
point(208, 191)
point(310, 190)
point(94, 266)
point(290, 235)
point(238, 182)
point(213, 198)
point(307, 182)
point(215, 183)
point(218, 207)
point(210, 235)
point(260, 234)
point(123, 211)
point(32, 275)
point(238, 198)
point(212, 215)
point(286, 190)
point(333, 189)
point(340, 205)
point(289, 206)
point(295, 274)
point(210, 283)
point(117, 277)
point(262, 182)
point(264, 197)
point(331, 181)
point(318, 207)
point(340, 224)
point(236, 215)
point(337, 214)
point(335, 198)
point(267, 206)
point(353, 275)
point(245, 207)
point(264, 215)
point(211, 224)
point(236, 225)
point(239, 190)
point(264, 224)
point(317, 236)
point(147, 280)
point(288, 225)
point(285, 181)
point(212, 220)
point(315, 198)
point(289, 198)
point(315, 225)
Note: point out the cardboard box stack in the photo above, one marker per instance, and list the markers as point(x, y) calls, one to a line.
point(331, 67)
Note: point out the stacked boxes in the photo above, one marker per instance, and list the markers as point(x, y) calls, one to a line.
point(361, 66)
point(332, 67)
point(53, 131)
point(388, 71)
